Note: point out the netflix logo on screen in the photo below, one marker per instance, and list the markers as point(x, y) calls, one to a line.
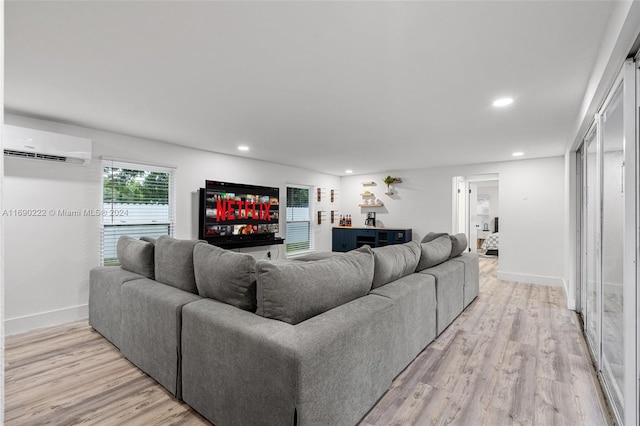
point(232, 210)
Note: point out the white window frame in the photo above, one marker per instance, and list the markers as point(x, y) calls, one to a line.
point(108, 212)
point(308, 219)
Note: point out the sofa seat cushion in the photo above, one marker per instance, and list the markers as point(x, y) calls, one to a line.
point(105, 284)
point(346, 361)
point(394, 262)
point(293, 291)
point(174, 263)
point(238, 368)
point(226, 276)
point(136, 256)
point(449, 291)
point(471, 276)
point(434, 252)
point(243, 369)
point(414, 316)
point(152, 329)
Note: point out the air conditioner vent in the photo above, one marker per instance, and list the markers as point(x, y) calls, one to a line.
point(51, 157)
point(20, 142)
point(37, 156)
point(21, 154)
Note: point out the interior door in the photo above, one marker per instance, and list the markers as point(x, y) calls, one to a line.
point(473, 217)
point(459, 223)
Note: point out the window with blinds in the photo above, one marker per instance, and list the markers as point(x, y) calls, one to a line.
point(137, 200)
point(298, 238)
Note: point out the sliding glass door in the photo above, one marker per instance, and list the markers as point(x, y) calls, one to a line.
point(608, 245)
point(613, 292)
point(591, 243)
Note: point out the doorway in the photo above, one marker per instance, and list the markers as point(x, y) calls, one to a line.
point(476, 212)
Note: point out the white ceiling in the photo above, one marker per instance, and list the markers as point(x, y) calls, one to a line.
point(328, 86)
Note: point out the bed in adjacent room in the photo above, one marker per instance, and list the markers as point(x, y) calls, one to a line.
point(491, 244)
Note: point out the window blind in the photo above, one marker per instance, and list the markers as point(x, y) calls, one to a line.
point(137, 200)
point(298, 228)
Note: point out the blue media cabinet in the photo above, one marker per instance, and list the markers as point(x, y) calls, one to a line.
point(347, 238)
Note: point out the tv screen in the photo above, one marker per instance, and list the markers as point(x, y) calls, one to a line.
point(233, 211)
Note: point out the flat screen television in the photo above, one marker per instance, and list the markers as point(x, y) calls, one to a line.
point(234, 213)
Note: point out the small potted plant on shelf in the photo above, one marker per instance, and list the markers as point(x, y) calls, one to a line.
point(388, 181)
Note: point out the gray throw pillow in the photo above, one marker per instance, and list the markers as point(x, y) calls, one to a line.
point(293, 291)
point(226, 276)
point(136, 256)
point(432, 236)
point(174, 263)
point(394, 262)
point(149, 240)
point(434, 252)
point(458, 244)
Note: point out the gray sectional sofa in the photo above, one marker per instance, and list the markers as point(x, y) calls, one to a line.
point(311, 341)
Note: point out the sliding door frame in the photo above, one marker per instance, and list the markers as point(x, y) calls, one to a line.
point(630, 333)
point(629, 78)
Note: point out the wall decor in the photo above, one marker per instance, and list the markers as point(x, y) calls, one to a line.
point(321, 216)
point(388, 181)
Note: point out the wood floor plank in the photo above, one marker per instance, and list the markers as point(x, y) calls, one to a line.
point(587, 392)
point(515, 356)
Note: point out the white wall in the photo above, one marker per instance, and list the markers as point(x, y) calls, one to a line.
point(531, 194)
point(48, 259)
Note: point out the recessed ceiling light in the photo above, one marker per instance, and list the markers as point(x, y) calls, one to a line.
point(243, 148)
point(518, 154)
point(348, 171)
point(502, 102)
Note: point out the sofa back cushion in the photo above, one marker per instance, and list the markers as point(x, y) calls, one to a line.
point(434, 252)
point(226, 276)
point(458, 245)
point(293, 291)
point(319, 255)
point(432, 236)
point(174, 263)
point(136, 256)
point(394, 262)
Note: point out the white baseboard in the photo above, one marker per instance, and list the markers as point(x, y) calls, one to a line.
point(571, 301)
point(531, 279)
point(45, 319)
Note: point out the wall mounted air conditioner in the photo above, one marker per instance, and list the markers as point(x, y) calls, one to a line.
point(21, 142)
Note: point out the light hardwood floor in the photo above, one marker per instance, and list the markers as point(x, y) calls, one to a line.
point(515, 356)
